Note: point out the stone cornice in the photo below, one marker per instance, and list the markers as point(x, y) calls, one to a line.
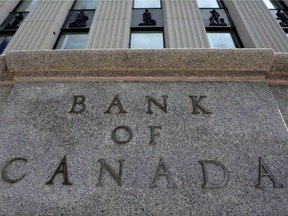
point(146, 65)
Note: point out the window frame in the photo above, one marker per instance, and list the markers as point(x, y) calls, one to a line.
point(147, 30)
point(220, 3)
point(84, 9)
point(6, 34)
point(133, 7)
point(234, 35)
point(84, 30)
point(25, 11)
point(278, 5)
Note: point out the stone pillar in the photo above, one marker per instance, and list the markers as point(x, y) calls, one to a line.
point(41, 27)
point(110, 27)
point(6, 7)
point(256, 26)
point(183, 25)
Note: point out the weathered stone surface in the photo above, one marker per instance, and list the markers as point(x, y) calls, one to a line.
point(5, 75)
point(37, 125)
point(188, 63)
point(281, 94)
point(278, 74)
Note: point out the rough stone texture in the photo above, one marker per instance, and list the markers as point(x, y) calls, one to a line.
point(5, 75)
point(123, 62)
point(281, 94)
point(279, 70)
point(280, 64)
point(146, 65)
point(245, 124)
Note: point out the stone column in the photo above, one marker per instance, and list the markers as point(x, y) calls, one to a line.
point(41, 27)
point(183, 25)
point(6, 7)
point(256, 26)
point(110, 27)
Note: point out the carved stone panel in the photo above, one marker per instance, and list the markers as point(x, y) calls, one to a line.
point(147, 148)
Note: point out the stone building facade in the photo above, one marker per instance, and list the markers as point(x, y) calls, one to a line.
point(122, 107)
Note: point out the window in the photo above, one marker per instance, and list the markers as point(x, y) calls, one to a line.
point(4, 40)
point(10, 25)
point(274, 4)
point(147, 25)
point(147, 39)
point(75, 29)
point(208, 4)
point(147, 4)
point(279, 11)
point(223, 40)
point(85, 4)
point(269, 4)
point(25, 6)
point(220, 28)
point(72, 40)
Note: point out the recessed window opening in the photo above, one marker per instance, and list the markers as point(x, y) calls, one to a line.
point(25, 6)
point(85, 4)
point(72, 40)
point(147, 4)
point(208, 4)
point(147, 39)
point(223, 40)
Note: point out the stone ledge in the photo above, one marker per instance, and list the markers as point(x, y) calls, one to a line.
point(278, 75)
point(132, 64)
point(280, 64)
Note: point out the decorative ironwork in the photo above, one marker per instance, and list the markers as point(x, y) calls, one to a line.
point(80, 20)
point(147, 19)
point(215, 19)
point(15, 23)
point(283, 18)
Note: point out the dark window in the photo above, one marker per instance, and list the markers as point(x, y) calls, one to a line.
point(220, 28)
point(147, 25)
point(10, 25)
point(279, 11)
point(74, 32)
point(4, 40)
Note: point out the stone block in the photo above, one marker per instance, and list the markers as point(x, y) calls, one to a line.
point(188, 64)
point(96, 148)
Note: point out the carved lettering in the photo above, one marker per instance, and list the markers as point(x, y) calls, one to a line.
point(116, 176)
point(209, 185)
point(115, 137)
point(162, 170)
point(116, 102)
point(264, 171)
point(153, 134)
point(62, 169)
point(197, 108)
point(78, 104)
point(162, 107)
point(5, 176)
